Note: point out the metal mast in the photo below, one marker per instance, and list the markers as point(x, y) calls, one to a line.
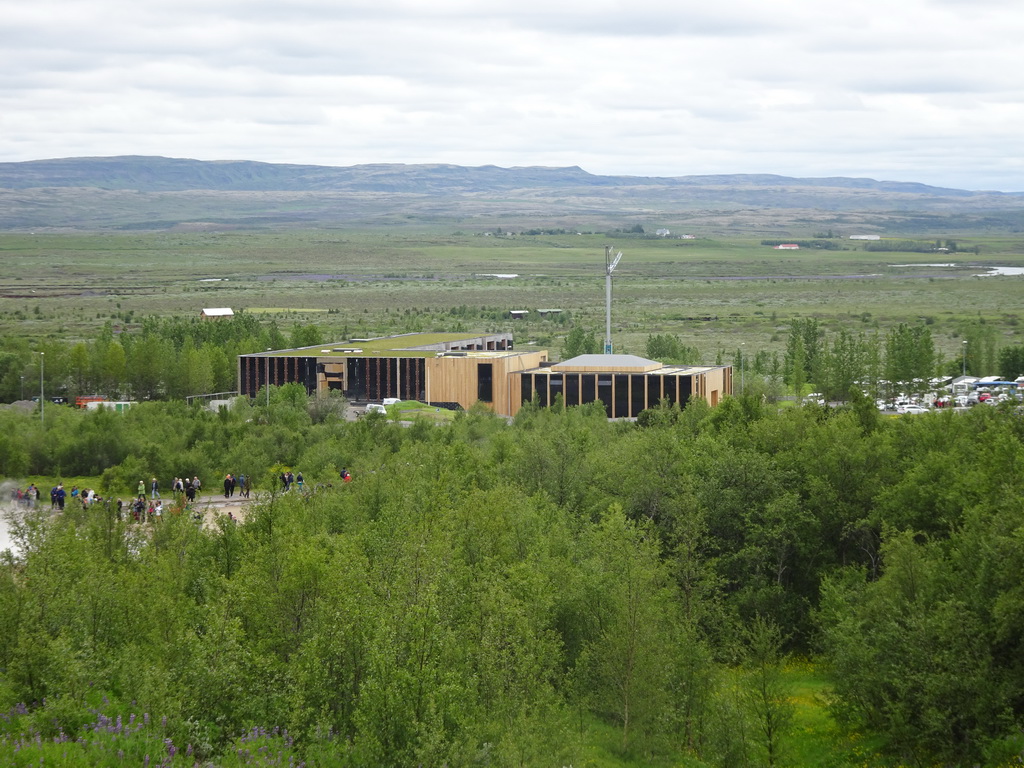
point(609, 266)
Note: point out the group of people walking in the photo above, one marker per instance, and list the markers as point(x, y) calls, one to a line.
point(288, 480)
point(184, 489)
point(25, 496)
point(241, 483)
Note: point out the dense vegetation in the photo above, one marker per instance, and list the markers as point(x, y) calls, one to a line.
point(492, 594)
point(168, 357)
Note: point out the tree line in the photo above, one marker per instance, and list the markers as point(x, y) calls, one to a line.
point(161, 357)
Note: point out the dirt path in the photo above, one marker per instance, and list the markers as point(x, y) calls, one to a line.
point(213, 505)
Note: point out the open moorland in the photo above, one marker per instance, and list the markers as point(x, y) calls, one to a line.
point(715, 293)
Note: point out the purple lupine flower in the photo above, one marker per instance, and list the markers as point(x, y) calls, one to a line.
point(171, 750)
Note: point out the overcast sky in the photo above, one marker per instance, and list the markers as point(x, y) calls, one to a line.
point(910, 90)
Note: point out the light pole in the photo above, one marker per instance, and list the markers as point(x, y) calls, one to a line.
point(22, 387)
point(743, 363)
point(965, 358)
point(42, 394)
point(267, 382)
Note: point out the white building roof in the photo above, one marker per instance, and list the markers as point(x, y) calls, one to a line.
point(607, 363)
point(218, 312)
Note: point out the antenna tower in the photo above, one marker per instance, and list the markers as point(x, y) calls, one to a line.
point(609, 266)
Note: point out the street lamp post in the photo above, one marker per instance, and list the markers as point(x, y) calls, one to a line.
point(965, 357)
point(267, 382)
point(743, 365)
point(42, 393)
point(22, 387)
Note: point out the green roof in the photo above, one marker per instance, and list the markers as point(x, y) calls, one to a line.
point(405, 345)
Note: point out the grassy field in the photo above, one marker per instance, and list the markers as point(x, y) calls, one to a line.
point(715, 293)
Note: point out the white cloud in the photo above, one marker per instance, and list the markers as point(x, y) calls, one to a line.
point(924, 90)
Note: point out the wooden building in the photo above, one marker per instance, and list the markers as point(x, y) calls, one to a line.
point(626, 384)
point(458, 370)
point(450, 370)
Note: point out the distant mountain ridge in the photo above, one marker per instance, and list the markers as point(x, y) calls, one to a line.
point(137, 192)
point(162, 174)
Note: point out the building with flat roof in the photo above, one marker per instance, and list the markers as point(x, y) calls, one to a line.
point(458, 370)
point(625, 384)
point(445, 369)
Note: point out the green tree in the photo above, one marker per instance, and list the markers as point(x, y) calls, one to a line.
point(669, 348)
point(766, 694)
point(909, 358)
point(626, 667)
point(1011, 362)
point(306, 335)
point(579, 342)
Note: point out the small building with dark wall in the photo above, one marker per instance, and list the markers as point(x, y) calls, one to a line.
point(625, 384)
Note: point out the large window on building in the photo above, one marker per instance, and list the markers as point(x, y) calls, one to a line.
point(621, 395)
point(572, 389)
point(671, 384)
point(485, 382)
point(654, 390)
point(636, 397)
point(526, 387)
point(604, 391)
point(686, 389)
point(556, 383)
point(589, 382)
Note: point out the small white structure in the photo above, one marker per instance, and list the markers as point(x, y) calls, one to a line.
point(114, 405)
point(865, 237)
point(662, 233)
point(963, 384)
point(213, 313)
point(787, 247)
point(518, 314)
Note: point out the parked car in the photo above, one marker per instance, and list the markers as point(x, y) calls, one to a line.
point(911, 409)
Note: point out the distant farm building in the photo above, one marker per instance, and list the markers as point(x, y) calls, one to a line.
point(787, 247)
point(546, 312)
point(518, 314)
point(865, 237)
point(458, 370)
point(662, 233)
point(215, 313)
